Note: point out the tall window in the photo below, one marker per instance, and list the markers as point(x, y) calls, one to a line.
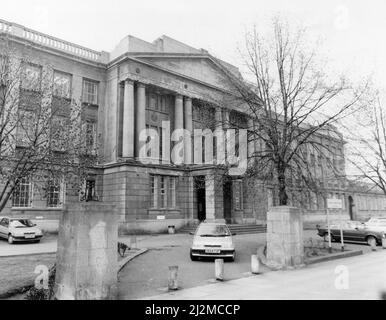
point(163, 198)
point(25, 132)
point(162, 191)
point(55, 194)
point(172, 192)
point(90, 91)
point(22, 194)
point(90, 131)
point(32, 77)
point(157, 102)
point(62, 84)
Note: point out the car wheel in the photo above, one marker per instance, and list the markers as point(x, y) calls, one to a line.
point(10, 239)
point(371, 241)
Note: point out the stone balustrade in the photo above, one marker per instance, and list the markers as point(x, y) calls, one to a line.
point(52, 42)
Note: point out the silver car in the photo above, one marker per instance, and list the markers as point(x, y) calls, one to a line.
point(212, 240)
point(19, 229)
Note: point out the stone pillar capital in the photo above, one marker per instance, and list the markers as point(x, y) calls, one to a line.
point(141, 85)
point(128, 81)
point(179, 96)
point(188, 98)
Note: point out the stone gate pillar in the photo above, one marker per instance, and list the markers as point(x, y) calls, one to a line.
point(87, 262)
point(284, 237)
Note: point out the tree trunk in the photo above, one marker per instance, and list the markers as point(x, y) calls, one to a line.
point(283, 197)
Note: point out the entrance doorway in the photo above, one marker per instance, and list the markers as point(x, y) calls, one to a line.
point(351, 207)
point(227, 196)
point(199, 186)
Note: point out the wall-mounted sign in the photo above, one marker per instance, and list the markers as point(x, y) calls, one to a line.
point(160, 217)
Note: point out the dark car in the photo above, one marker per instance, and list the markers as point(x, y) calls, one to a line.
point(354, 231)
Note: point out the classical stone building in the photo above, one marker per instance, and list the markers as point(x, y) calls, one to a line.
point(138, 86)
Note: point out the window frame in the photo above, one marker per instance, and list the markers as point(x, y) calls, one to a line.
point(30, 194)
point(23, 80)
point(69, 75)
point(94, 82)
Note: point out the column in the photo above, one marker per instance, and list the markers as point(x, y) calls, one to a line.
point(128, 120)
point(218, 117)
point(140, 117)
point(178, 113)
point(179, 125)
point(210, 198)
point(189, 127)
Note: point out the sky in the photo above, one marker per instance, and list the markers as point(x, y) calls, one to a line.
point(352, 31)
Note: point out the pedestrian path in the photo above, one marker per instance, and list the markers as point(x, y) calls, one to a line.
point(360, 277)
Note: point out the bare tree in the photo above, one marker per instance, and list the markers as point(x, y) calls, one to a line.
point(293, 102)
point(42, 136)
point(367, 153)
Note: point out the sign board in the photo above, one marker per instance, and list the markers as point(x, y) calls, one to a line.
point(334, 203)
point(160, 217)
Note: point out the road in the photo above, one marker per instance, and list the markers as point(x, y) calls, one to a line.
point(147, 275)
point(48, 244)
point(360, 277)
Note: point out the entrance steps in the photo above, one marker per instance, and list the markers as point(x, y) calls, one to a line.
point(234, 228)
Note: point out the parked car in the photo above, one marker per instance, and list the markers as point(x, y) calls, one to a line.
point(19, 229)
point(352, 231)
point(376, 224)
point(212, 240)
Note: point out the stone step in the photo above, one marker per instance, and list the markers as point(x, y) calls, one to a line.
point(236, 228)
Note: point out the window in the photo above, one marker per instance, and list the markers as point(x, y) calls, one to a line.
point(153, 189)
point(90, 132)
point(163, 198)
point(22, 194)
point(157, 102)
point(32, 77)
point(25, 129)
point(162, 191)
point(59, 130)
point(172, 192)
point(55, 194)
point(62, 84)
point(238, 192)
point(90, 91)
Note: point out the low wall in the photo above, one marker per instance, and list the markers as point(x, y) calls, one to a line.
point(150, 226)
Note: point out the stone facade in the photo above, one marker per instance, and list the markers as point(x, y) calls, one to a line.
point(140, 85)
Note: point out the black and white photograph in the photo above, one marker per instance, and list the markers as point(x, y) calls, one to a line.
point(197, 153)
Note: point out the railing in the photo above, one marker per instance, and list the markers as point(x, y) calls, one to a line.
point(49, 41)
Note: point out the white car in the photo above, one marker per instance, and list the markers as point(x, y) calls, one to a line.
point(376, 224)
point(19, 229)
point(212, 240)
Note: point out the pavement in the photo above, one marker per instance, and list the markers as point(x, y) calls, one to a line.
point(360, 277)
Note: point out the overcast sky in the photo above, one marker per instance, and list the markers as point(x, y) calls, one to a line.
point(353, 31)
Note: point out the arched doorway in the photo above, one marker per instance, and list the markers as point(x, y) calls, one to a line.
point(351, 207)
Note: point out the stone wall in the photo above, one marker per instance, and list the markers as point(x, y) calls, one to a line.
point(285, 237)
point(87, 261)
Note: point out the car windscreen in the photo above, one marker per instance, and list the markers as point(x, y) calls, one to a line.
point(213, 231)
point(21, 223)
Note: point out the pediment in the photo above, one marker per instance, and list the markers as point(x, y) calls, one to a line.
point(202, 69)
